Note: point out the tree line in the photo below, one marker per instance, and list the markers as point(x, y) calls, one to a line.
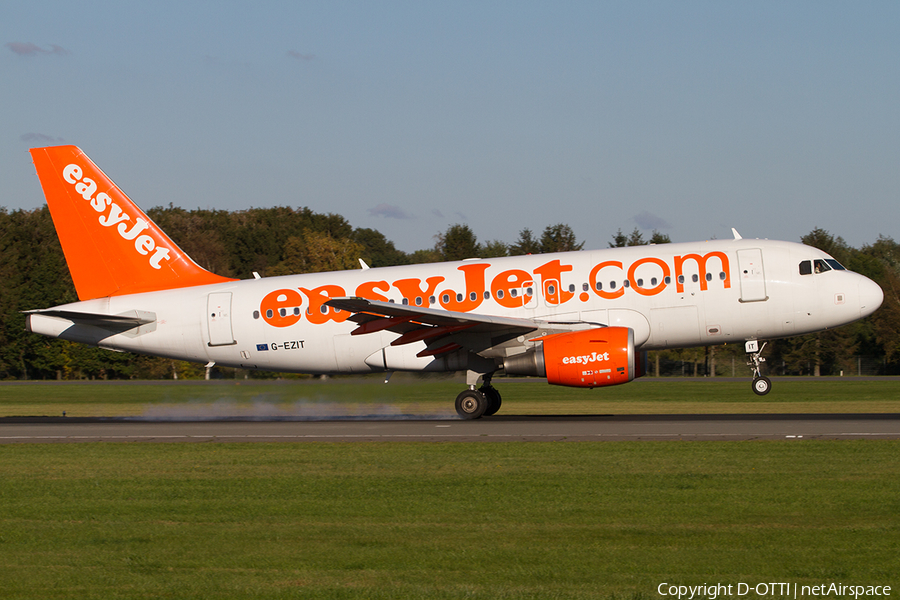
point(285, 240)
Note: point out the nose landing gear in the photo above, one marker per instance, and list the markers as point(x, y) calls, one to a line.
point(761, 384)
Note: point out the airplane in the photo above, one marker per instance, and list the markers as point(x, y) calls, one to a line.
point(581, 319)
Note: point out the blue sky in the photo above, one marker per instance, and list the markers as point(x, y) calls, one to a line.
point(686, 117)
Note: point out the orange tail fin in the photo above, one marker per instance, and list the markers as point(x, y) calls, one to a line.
point(112, 248)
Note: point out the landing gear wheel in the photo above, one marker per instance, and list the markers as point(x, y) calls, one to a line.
point(761, 386)
point(471, 404)
point(493, 398)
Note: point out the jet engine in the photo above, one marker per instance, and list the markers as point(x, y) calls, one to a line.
point(588, 358)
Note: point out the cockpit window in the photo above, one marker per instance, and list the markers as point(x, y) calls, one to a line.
point(821, 266)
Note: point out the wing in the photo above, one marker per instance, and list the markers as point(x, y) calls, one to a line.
point(442, 330)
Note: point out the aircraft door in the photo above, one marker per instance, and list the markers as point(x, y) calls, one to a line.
point(218, 311)
point(753, 278)
point(674, 326)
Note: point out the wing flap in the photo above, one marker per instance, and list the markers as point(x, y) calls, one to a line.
point(445, 331)
point(399, 314)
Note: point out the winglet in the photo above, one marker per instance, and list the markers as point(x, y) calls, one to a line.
point(737, 236)
point(112, 247)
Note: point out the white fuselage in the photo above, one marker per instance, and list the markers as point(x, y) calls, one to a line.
point(671, 295)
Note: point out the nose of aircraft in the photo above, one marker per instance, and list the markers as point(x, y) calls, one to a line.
point(870, 296)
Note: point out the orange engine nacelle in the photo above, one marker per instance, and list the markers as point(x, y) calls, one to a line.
point(588, 358)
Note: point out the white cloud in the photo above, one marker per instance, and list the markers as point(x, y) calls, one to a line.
point(300, 56)
point(29, 49)
point(389, 211)
point(40, 138)
point(647, 220)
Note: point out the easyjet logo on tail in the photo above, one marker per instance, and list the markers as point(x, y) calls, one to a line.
point(112, 216)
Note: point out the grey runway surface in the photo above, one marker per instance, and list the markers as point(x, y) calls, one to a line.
point(499, 428)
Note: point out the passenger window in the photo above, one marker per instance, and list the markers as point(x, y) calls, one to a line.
point(806, 267)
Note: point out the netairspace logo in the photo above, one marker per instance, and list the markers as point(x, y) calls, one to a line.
point(770, 590)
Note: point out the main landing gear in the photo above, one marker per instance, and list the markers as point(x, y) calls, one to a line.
point(761, 385)
point(476, 403)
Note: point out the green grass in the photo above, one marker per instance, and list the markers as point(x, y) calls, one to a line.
point(394, 520)
point(435, 397)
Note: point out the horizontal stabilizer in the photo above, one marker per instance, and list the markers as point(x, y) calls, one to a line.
point(129, 320)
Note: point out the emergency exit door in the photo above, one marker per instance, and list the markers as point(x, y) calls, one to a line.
point(219, 318)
